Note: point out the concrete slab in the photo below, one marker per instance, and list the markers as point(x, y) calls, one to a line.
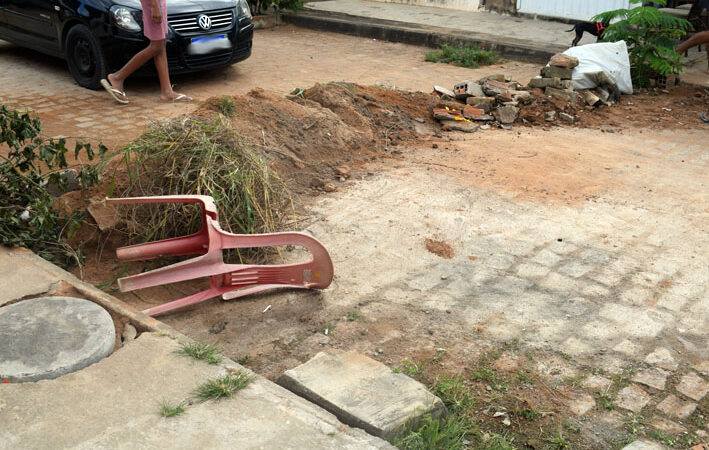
point(362, 392)
point(115, 404)
point(48, 337)
point(21, 277)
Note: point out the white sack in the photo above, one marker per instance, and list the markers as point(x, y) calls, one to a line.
point(609, 57)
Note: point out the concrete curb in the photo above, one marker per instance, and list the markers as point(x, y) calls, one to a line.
point(417, 34)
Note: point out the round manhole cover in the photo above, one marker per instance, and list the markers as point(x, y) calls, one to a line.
point(48, 337)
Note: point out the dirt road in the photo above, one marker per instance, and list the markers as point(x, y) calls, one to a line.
point(579, 255)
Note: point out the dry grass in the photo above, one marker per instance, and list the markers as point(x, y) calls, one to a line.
point(190, 156)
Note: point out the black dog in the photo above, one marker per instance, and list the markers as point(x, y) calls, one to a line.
point(595, 28)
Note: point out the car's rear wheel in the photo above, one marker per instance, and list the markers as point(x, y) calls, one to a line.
point(84, 57)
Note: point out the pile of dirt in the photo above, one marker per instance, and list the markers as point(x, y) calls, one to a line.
point(327, 132)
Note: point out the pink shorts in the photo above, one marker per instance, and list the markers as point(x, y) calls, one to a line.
point(151, 30)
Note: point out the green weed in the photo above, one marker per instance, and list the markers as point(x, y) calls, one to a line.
point(528, 414)
point(202, 352)
point(454, 393)
point(227, 106)
point(352, 315)
point(169, 410)
point(411, 368)
point(557, 441)
point(471, 56)
point(224, 386)
point(244, 359)
point(605, 399)
point(447, 433)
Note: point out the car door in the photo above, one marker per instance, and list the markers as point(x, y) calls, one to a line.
point(31, 22)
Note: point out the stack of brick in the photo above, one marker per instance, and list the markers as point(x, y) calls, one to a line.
point(493, 99)
point(556, 80)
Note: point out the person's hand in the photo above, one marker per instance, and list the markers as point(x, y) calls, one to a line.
point(156, 12)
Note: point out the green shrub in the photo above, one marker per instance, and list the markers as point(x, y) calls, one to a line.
point(27, 214)
point(650, 35)
point(470, 56)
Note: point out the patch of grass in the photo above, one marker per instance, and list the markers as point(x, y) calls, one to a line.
point(497, 442)
point(525, 376)
point(485, 373)
point(557, 441)
point(329, 328)
point(169, 410)
point(572, 426)
point(454, 393)
point(529, 355)
point(635, 424)
point(227, 106)
point(188, 156)
point(202, 352)
point(471, 56)
point(622, 379)
point(566, 356)
point(224, 386)
point(575, 382)
point(244, 359)
point(411, 368)
point(606, 400)
point(447, 433)
point(352, 315)
point(665, 438)
point(528, 414)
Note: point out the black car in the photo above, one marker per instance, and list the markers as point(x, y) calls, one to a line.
point(97, 37)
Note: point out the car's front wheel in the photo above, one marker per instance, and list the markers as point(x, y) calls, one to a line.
point(84, 57)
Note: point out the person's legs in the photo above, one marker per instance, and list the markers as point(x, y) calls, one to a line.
point(117, 78)
point(166, 92)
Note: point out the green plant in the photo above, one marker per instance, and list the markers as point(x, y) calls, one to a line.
point(27, 214)
point(497, 442)
point(663, 437)
point(454, 393)
point(635, 424)
point(169, 410)
point(352, 315)
point(650, 35)
point(224, 386)
point(204, 156)
point(557, 441)
point(572, 426)
point(202, 352)
point(528, 414)
point(244, 359)
point(445, 433)
point(606, 400)
point(412, 368)
point(227, 106)
point(471, 56)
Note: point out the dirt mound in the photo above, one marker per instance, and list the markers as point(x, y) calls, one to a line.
point(314, 131)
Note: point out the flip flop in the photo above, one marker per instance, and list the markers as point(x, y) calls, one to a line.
point(181, 98)
point(114, 92)
point(704, 118)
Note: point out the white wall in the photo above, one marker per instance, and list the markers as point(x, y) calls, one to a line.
point(570, 9)
point(465, 5)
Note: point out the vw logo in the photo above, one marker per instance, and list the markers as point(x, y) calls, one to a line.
point(204, 22)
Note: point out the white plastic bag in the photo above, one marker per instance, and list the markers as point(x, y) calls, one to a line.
point(609, 57)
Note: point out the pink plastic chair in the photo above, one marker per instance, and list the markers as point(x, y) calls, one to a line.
point(228, 280)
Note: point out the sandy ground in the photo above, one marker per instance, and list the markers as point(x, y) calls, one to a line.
point(574, 253)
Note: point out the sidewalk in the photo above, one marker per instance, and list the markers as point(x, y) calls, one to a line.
point(519, 38)
point(515, 37)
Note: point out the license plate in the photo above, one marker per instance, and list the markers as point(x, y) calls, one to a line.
point(208, 44)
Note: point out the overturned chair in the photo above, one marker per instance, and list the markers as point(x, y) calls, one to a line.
point(228, 280)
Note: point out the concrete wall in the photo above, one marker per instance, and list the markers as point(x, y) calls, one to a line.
point(500, 6)
point(569, 9)
point(465, 5)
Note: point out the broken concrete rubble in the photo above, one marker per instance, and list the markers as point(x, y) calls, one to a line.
point(506, 114)
point(565, 61)
point(557, 72)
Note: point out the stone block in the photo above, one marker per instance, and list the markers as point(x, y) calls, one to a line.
point(653, 377)
point(632, 398)
point(467, 89)
point(556, 72)
point(565, 61)
point(465, 126)
point(362, 392)
point(569, 96)
point(471, 112)
point(672, 406)
point(541, 83)
point(484, 103)
point(662, 357)
point(644, 445)
point(493, 88)
point(693, 386)
point(443, 92)
point(506, 114)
